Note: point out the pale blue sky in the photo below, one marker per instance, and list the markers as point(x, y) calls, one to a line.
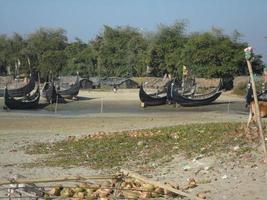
point(85, 18)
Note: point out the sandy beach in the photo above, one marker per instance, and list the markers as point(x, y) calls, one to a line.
point(120, 111)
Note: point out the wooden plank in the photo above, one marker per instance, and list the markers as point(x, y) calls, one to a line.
point(158, 184)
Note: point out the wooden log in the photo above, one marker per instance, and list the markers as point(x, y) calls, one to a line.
point(47, 180)
point(258, 117)
point(158, 184)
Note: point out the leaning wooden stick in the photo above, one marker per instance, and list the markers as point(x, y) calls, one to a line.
point(47, 180)
point(258, 117)
point(158, 184)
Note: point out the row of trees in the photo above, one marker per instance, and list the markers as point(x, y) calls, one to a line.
point(126, 51)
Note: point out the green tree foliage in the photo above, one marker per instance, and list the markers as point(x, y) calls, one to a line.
point(213, 54)
point(125, 51)
point(166, 48)
point(45, 48)
point(120, 52)
point(4, 54)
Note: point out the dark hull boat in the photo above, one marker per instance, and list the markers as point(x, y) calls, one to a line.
point(262, 96)
point(20, 92)
point(49, 92)
point(72, 91)
point(27, 102)
point(176, 85)
point(197, 100)
point(151, 99)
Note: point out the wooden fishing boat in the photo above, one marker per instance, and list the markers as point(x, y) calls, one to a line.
point(177, 84)
point(50, 94)
point(22, 91)
point(151, 99)
point(202, 99)
point(72, 91)
point(27, 102)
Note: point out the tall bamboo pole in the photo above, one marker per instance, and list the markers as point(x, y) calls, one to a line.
point(257, 109)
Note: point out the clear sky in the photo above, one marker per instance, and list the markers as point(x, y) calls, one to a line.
point(85, 18)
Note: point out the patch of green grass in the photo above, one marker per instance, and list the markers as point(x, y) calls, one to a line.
point(141, 146)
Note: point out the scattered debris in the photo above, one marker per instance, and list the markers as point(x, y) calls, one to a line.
point(236, 148)
point(224, 176)
point(126, 185)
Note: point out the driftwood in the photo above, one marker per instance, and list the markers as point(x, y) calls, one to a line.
point(47, 180)
point(158, 184)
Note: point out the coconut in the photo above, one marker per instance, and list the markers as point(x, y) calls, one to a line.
point(83, 185)
point(201, 195)
point(78, 189)
point(67, 192)
point(148, 187)
point(128, 186)
point(102, 193)
point(55, 191)
point(136, 184)
point(90, 191)
point(192, 183)
point(81, 194)
point(123, 184)
point(145, 195)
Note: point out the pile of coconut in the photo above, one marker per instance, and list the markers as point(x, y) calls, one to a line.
point(128, 188)
point(124, 185)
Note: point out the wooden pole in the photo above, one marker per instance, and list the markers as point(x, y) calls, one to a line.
point(257, 110)
point(62, 179)
point(56, 104)
point(101, 106)
point(158, 184)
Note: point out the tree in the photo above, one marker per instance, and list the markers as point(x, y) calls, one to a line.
point(40, 48)
point(119, 51)
point(166, 48)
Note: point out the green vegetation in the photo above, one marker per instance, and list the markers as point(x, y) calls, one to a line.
point(126, 51)
point(240, 89)
point(143, 146)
